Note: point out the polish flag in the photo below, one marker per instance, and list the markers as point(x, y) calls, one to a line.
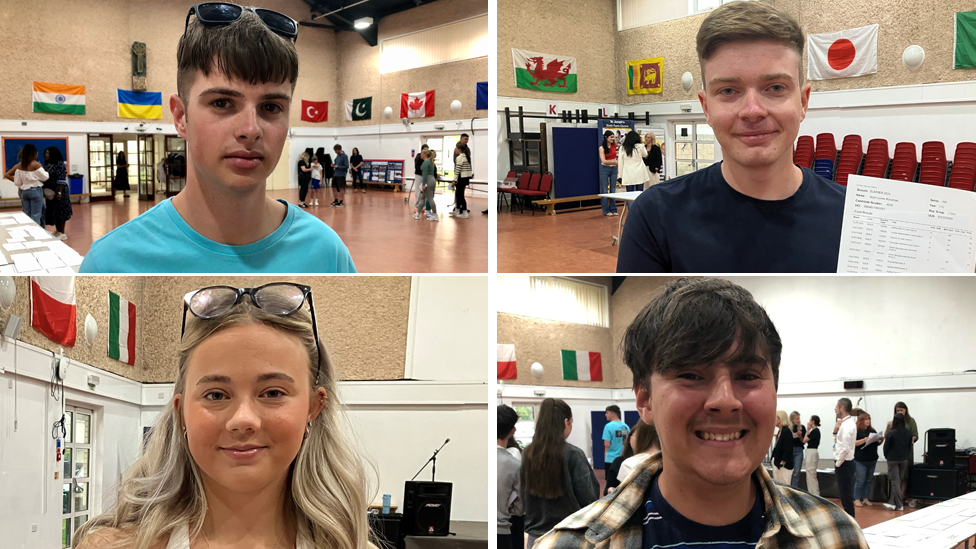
point(417, 105)
point(843, 54)
point(506, 361)
point(53, 308)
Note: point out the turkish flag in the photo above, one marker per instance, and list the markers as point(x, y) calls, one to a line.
point(417, 105)
point(843, 54)
point(315, 111)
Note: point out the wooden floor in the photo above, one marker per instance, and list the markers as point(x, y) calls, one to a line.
point(572, 242)
point(377, 227)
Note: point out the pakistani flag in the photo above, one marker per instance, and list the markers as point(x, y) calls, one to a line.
point(582, 365)
point(965, 54)
point(359, 109)
point(544, 72)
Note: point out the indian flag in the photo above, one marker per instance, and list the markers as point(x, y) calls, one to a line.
point(544, 72)
point(582, 365)
point(121, 329)
point(58, 98)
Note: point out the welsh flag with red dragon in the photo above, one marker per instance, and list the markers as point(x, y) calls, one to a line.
point(544, 72)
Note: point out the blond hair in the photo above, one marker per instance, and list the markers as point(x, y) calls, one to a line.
point(784, 420)
point(743, 21)
point(327, 488)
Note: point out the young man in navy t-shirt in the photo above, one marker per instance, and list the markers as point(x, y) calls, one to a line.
point(755, 211)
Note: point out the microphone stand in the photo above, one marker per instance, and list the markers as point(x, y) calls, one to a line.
point(433, 459)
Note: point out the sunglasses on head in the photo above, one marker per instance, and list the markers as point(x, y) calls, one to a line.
point(277, 298)
point(222, 13)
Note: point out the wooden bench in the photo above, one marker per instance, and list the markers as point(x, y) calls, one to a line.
point(550, 203)
point(397, 187)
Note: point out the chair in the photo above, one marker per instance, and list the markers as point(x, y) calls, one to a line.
point(524, 186)
point(803, 155)
point(850, 158)
point(545, 185)
point(904, 163)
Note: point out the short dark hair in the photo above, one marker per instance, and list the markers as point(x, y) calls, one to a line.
point(816, 420)
point(465, 135)
point(846, 404)
point(507, 418)
point(245, 49)
point(615, 409)
point(424, 146)
point(337, 147)
point(898, 422)
point(697, 321)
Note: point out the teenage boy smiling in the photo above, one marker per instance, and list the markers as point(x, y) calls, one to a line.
point(705, 361)
point(755, 211)
point(235, 81)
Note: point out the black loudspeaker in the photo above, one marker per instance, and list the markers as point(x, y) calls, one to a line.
point(387, 529)
point(935, 483)
point(426, 508)
point(940, 447)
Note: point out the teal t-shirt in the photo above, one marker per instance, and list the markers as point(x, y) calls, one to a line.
point(615, 432)
point(160, 241)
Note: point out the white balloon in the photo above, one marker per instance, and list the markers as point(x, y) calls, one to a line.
point(687, 80)
point(455, 106)
point(388, 112)
point(8, 292)
point(913, 57)
point(537, 369)
point(91, 329)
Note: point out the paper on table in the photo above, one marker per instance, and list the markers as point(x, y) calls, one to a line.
point(8, 269)
point(11, 246)
point(35, 244)
point(17, 239)
point(8, 221)
point(903, 227)
point(48, 259)
point(62, 271)
point(25, 263)
point(17, 233)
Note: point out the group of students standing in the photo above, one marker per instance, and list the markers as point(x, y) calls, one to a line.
point(425, 181)
point(43, 191)
point(313, 169)
point(625, 160)
point(855, 450)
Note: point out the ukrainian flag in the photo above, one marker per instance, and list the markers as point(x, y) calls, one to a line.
point(133, 104)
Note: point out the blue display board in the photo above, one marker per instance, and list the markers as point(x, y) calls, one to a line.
point(575, 162)
point(12, 146)
point(599, 421)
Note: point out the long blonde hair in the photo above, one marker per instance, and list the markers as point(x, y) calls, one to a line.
point(328, 485)
point(303, 156)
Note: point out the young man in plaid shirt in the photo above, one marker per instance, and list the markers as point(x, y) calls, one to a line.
point(705, 359)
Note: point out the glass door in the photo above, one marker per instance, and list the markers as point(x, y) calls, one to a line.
point(174, 160)
point(78, 458)
point(147, 169)
point(694, 147)
point(101, 166)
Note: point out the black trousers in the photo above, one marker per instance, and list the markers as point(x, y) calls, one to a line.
point(504, 541)
point(518, 532)
point(303, 190)
point(460, 204)
point(845, 483)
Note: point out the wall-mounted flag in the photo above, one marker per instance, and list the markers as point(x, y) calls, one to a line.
point(481, 101)
point(417, 105)
point(315, 111)
point(645, 75)
point(53, 308)
point(965, 51)
point(843, 54)
point(58, 98)
point(359, 109)
point(582, 365)
point(506, 361)
point(543, 71)
point(121, 329)
point(145, 105)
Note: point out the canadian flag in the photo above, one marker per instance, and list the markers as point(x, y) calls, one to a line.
point(53, 308)
point(843, 54)
point(417, 105)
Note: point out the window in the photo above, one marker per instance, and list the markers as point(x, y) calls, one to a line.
point(694, 147)
point(77, 459)
point(465, 39)
point(554, 298)
point(638, 13)
point(525, 426)
point(444, 147)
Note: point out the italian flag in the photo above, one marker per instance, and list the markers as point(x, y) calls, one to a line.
point(506, 361)
point(582, 365)
point(53, 308)
point(58, 98)
point(121, 329)
point(544, 71)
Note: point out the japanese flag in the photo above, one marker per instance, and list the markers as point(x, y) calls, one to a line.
point(843, 54)
point(417, 105)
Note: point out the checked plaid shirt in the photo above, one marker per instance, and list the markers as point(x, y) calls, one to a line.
point(794, 519)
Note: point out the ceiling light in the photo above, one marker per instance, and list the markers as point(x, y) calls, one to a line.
point(363, 22)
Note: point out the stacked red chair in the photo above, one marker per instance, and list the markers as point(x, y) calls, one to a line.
point(823, 163)
point(876, 159)
point(904, 163)
point(502, 190)
point(527, 191)
point(933, 170)
point(540, 191)
point(850, 158)
point(803, 155)
point(963, 175)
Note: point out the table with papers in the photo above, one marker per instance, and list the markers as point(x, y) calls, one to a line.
point(942, 526)
point(29, 249)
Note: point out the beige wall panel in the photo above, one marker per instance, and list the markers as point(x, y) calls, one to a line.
point(91, 296)
point(675, 41)
point(583, 29)
point(359, 67)
point(540, 340)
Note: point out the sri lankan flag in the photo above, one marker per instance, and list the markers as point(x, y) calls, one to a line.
point(133, 104)
point(58, 98)
point(644, 76)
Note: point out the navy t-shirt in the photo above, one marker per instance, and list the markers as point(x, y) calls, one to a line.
point(697, 223)
point(666, 528)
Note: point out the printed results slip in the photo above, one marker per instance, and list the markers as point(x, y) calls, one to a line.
point(904, 227)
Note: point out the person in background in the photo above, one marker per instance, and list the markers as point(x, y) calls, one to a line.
point(29, 177)
point(356, 168)
point(611, 474)
point(614, 433)
point(304, 176)
point(425, 195)
point(418, 162)
point(811, 457)
point(902, 408)
point(798, 431)
point(654, 160)
point(316, 180)
point(897, 452)
point(121, 182)
point(326, 160)
point(845, 433)
point(341, 166)
point(608, 172)
point(632, 169)
point(643, 442)
point(782, 458)
point(865, 460)
point(462, 177)
point(557, 479)
point(517, 519)
point(58, 209)
point(507, 477)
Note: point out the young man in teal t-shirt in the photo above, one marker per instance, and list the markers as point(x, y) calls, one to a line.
point(613, 435)
point(236, 74)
